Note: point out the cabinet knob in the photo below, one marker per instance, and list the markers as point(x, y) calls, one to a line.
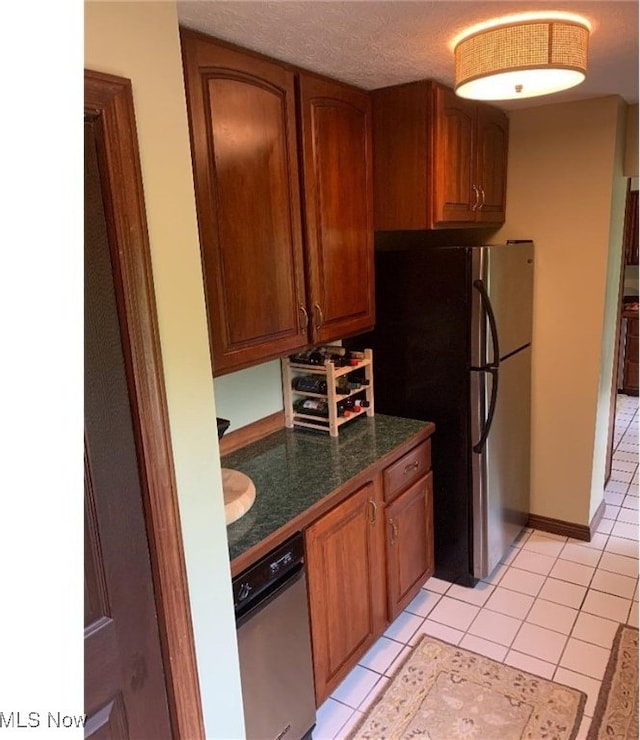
point(482, 202)
point(304, 327)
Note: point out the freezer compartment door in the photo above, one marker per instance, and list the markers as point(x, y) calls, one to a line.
point(506, 274)
point(501, 470)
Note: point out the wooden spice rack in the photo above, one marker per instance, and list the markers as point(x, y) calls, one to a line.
point(331, 424)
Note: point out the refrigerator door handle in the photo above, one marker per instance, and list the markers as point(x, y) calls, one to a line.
point(488, 308)
point(478, 447)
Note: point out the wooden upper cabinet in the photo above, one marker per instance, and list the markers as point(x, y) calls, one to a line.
point(338, 200)
point(244, 149)
point(440, 160)
point(492, 137)
point(251, 150)
point(454, 189)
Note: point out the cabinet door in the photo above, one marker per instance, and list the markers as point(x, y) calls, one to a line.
point(491, 164)
point(410, 557)
point(243, 139)
point(630, 369)
point(402, 182)
point(345, 574)
point(630, 238)
point(338, 198)
point(454, 157)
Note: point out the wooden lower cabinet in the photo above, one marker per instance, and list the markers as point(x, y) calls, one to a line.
point(345, 573)
point(410, 558)
point(366, 560)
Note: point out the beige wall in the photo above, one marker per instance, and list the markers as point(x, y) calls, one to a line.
point(564, 168)
point(139, 40)
point(611, 308)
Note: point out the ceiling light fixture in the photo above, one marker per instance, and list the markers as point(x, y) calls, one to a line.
point(521, 56)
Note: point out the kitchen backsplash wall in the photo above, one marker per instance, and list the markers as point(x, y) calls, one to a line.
point(249, 395)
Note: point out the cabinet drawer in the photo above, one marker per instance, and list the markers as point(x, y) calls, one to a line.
point(405, 471)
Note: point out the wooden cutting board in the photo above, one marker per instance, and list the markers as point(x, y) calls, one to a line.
point(239, 494)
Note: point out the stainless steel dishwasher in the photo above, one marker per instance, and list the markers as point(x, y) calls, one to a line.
point(274, 642)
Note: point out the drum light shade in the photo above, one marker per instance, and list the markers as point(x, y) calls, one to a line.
point(521, 59)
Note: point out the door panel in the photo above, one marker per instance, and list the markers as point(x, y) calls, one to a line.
point(245, 162)
point(455, 161)
point(410, 558)
point(501, 472)
point(336, 132)
point(253, 201)
point(108, 723)
point(345, 572)
point(491, 166)
point(125, 692)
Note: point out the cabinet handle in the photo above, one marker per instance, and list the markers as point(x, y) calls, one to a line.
point(304, 327)
point(320, 321)
point(394, 531)
point(374, 511)
point(481, 206)
point(411, 467)
point(477, 200)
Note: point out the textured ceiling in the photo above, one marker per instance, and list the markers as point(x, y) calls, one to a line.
point(376, 43)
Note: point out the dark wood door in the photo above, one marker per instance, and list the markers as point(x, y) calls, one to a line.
point(125, 691)
point(491, 164)
point(455, 199)
point(338, 197)
point(630, 234)
point(410, 555)
point(345, 571)
point(630, 368)
point(243, 139)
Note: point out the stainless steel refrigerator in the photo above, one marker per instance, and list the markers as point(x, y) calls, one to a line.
point(452, 345)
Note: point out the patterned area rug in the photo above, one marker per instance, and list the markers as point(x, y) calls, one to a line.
point(443, 692)
point(616, 713)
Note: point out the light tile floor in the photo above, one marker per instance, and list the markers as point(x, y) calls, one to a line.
point(551, 607)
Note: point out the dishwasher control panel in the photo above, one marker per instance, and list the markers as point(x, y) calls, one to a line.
point(267, 572)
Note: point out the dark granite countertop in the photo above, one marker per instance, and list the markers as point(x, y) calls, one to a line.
point(294, 469)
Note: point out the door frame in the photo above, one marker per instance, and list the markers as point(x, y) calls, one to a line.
point(110, 99)
point(613, 397)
